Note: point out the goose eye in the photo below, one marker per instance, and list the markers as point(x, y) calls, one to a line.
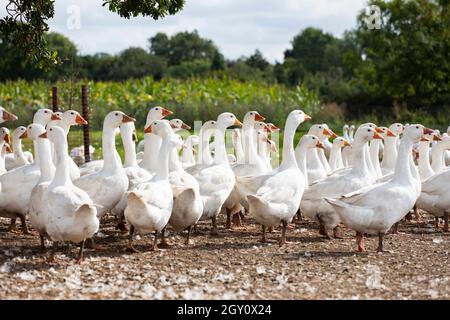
point(116, 113)
point(51, 129)
point(231, 116)
point(45, 111)
point(314, 138)
point(417, 127)
point(72, 113)
point(368, 130)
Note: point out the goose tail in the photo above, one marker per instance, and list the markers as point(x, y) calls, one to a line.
point(86, 215)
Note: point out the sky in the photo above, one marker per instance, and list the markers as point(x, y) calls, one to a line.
point(237, 27)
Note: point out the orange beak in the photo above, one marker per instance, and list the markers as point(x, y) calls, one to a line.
point(148, 129)
point(390, 133)
point(436, 137)
point(424, 139)
point(428, 131)
point(259, 117)
point(378, 130)
point(44, 135)
point(24, 135)
point(307, 117)
point(80, 120)
point(377, 136)
point(56, 117)
point(126, 119)
point(237, 123)
point(330, 133)
point(320, 145)
point(347, 144)
point(8, 148)
point(8, 116)
point(185, 126)
point(166, 112)
point(7, 138)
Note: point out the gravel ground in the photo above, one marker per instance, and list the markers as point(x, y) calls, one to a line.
point(233, 265)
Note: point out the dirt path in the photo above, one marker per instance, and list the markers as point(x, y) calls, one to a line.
point(233, 265)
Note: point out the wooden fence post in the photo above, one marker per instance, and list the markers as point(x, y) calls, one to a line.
point(55, 99)
point(85, 106)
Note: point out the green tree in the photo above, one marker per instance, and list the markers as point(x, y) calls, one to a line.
point(137, 63)
point(25, 24)
point(257, 61)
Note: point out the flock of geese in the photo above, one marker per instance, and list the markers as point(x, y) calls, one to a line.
point(367, 180)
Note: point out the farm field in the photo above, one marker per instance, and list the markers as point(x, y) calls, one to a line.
point(233, 265)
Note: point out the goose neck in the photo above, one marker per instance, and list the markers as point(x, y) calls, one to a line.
point(18, 152)
point(204, 155)
point(152, 144)
point(62, 173)
point(289, 160)
point(403, 171)
point(110, 156)
point(359, 160)
point(302, 149)
point(425, 169)
point(174, 161)
point(130, 151)
point(220, 152)
point(390, 153)
point(46, 165)
point(162, 169)
point(437, 157)
point(2, 159)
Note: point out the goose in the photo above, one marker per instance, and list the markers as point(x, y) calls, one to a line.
point(376, 209)
point(217, 180)
point(346, 151)
point(71, 213)
point(390, 149)
point(107, 186)
point(264, 146)
point(150, 203)
point(18, 158)
point(438, 152)
point(36, 210)
point(316, 159)
point(187, 202)
point(204, 157)
point(278, 193)
point(156, 114)
point(14, 201)
point(188, 152)
point(307, 142)
point(273, 147)
point(315, 208)
point(4, 148)
point(134, 173)
point(424, 167)
point(6, 115)
point(55, 121)
point(374, 149)
point(248, 138)
point(152, 142)
point(336, 153)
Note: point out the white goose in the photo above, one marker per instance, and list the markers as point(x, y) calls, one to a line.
point(134, 173)
point(204, 157)
point(178, 125)
point(425, 170)
point(18, 158)
point(336, 153)
point(188, 152)
point(248, 137)
point(216, 181)
point(152, 142)
point(375, 209)
point(14, 201)
point(71, 214)
point(4, 147)
point(107, 186)
point(150, 203)
point(279, 193)
point(316, 158)
point(315, 208)
point(438, 152)
point(188, 204)
point(390, 149)
point(374, 149)
point(236, 138)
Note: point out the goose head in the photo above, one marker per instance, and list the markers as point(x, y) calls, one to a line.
point(415, 132)
point(297, 117)
point(33, 132)
point(227, 119)
point(262, 137)
point(157, 113)
point(55, 134)
point(251, 117)
point(115, 118)
point(44, 116)
point(19, 131)
point(161, 128)
point(340, 142)
point(6, 148)
point(345, 128)
point(321, 131)
point(4, 134)
point(6, 115)
point(73, 118)
point(272, 127)
point(55, 122)
point(178, 125)
point(367, 133)
point(311, 141)
point(261, 126)
point(386, 132)
point(397, 128)
point(128, 131)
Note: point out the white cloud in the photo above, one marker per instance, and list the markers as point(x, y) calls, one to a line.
point(237, 27)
